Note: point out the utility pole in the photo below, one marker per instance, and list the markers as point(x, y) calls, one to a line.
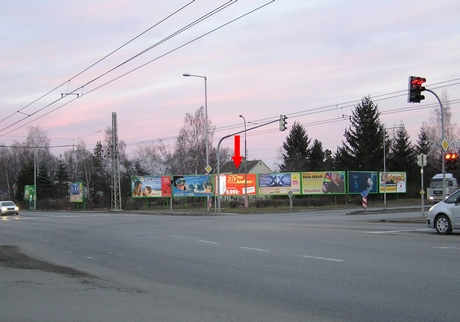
point(115, 177)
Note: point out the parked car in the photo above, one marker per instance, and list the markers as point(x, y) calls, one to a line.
point(9, 208)
point(445, 215)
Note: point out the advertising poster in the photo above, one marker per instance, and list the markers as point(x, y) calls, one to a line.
point(279, 183)
point(192, 186)
point(362, 182)
point(392, 182)
point(151, 186)
point(234, 184)
point(323, 182)
point(29, 192)
point(76, 192)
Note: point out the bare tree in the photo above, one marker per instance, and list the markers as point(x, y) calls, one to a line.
point(189, 155)
point(36, 148)
point(79, 164)
point(433, 128)
point(154, 158)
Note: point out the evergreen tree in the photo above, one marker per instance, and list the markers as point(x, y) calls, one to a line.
point(100, 178)
point(363, 149)
point(25, 177)
point(402, 154)
point(45, 187)
point(329, 161)
point(424, 146)
point(403, 158)
point(317, 156)
point(62, 180)
point(423, 141)
point(296, 155)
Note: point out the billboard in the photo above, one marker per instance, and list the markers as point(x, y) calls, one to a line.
point(29, 192)
point(279, 183)
point(192, 186)
point(234, 184)
point(323, 182)
point(362, 182)
point(150, 186)
point(76, 192)
point(392, 182)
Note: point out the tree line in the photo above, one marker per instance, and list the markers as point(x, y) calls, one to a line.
point(370, 145)
point(362, 149)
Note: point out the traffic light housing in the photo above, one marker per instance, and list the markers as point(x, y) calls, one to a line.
point(283, 122)
point(451, 160)
point(416, 89)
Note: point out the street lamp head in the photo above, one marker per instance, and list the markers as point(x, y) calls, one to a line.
point(186, 74)
point(241, 115)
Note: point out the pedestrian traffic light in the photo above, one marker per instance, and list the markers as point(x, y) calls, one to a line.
point(451, 161)
point(416, 89)
point(283, 122)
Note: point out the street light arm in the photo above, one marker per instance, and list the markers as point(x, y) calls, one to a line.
point(192, 75)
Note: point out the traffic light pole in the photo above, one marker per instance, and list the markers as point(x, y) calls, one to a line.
point(217, 190)
point(443, 162)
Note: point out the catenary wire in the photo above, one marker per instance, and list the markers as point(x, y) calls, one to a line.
point(98, 61)
point(143, 65)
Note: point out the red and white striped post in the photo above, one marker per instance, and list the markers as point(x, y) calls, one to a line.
point(364, 203)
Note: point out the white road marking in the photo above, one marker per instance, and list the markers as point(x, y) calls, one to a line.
point(448, 247)
point(208, 242)
point(323, 258)
point(176, 236)
point(256, 249)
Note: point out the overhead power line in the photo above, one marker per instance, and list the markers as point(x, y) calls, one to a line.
point(98, 61)
point(207, 15)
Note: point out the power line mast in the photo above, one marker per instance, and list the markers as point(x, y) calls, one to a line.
point(115, 177)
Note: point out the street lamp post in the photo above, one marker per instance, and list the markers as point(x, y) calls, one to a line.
point(206, 120)
point(384, 161)
point(246, 201)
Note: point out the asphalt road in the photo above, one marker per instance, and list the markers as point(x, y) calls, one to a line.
point(312, 266)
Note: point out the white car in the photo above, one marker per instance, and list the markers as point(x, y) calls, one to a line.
point(445, 215)
point(9, 208)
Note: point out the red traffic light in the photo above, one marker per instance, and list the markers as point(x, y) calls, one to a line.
point(417, 81)
point(451, 156)
point(451, 160)
point(416, 89)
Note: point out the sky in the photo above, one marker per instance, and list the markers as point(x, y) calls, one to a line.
point(312, 61)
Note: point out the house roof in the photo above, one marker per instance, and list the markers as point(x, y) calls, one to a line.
point(229, 167)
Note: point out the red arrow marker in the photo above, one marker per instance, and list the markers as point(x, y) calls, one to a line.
point(237, 158)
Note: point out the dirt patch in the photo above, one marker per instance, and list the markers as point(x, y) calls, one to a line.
point(11, 257)
point(417, 220)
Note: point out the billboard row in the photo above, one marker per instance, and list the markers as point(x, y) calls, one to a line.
point(299, 183)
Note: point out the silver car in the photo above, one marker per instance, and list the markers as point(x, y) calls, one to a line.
point(445, 215)
point(9, 208)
